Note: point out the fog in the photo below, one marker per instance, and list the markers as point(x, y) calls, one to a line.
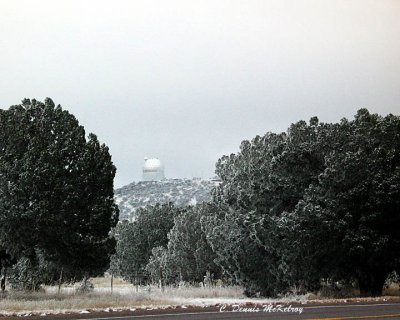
point(187, 81)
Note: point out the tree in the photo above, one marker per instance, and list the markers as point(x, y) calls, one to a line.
point(137, 239)
point(161, 268)
point(189, 247)
point(56, 190)
point(239, 256)
point(5, 262)
point(265, 179)
point(346, 228)
point(188, 255)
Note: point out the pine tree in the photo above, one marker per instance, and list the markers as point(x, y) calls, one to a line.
point(56, 190)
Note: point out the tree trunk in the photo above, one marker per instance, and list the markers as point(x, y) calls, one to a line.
point(161, 281)
point(112, 279)
point(60, 281)
point(3, 279)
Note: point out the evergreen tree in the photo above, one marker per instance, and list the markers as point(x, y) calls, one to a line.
point(137, 239)
point(346, 228)
point(265, 179)
point(56, 190)
point(320, 201)
point(188, 255)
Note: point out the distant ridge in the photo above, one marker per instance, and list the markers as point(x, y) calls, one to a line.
point(181, 192)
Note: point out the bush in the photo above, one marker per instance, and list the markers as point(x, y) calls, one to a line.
point(86, 286)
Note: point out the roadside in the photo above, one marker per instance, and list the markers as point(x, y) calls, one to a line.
point(127, 298)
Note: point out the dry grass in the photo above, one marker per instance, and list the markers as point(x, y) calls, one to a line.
point(195, 292)
point(106, 282)
point(350, 292)
point(392, 290)
point(50, 303)
point(127, 296)
point(124, 296)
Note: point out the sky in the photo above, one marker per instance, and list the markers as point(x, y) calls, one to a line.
point(187, 81)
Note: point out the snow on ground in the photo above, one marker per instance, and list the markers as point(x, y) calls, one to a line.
point(127, 297)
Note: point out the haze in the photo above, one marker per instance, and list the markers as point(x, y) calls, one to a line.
point(187, 81)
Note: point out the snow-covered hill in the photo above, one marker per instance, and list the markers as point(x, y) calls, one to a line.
point(181, 192)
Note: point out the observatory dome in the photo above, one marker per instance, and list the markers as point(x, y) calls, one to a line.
point(153, 169)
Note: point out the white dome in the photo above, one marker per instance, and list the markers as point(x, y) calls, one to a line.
point(152, 164)
point(153, 169)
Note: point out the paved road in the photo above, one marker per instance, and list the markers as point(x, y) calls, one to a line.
point(373, 311)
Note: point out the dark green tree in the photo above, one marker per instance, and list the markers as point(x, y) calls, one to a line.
point(161, 267)
point(346, 228)
point(189, 247)
point(188, 255)
point(265, 179)
point(56, 190)
point(137, 239)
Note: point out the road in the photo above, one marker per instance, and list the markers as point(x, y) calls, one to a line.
point(371, 311)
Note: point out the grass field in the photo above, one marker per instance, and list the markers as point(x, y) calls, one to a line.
point(123, 296)
point(127, 296)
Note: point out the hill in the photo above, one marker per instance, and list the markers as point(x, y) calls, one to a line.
point(181, 192)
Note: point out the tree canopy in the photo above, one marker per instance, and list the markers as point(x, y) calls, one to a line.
point(56, 189)
point(319, 201)
point(137, 239)
point(188, 255)
point(346, 226)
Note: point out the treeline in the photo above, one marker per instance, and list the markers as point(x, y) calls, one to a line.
point(320, 202)
point(165, 244)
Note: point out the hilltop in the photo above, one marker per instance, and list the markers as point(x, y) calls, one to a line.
point(181, 192)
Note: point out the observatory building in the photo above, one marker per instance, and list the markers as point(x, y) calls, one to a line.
point(153, 170)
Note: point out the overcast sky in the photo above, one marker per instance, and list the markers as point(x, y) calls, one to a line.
point(187, 81)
